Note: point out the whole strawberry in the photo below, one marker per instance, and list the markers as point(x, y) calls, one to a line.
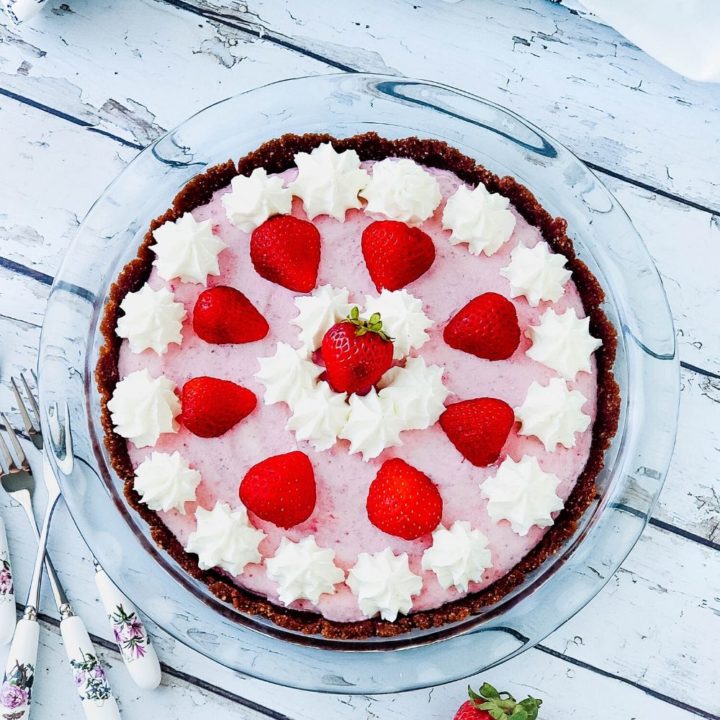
point(489, 704)
point(223, 314)
point(286, 251)
point(487, 327)
point(403, 501)
point(280, 489)
point(357, 353)
point(396, 254)
point(210, 406)
point(478, 428)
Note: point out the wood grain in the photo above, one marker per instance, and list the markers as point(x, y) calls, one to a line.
point(92, 81)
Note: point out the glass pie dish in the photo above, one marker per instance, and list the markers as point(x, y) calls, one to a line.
point(646, 369)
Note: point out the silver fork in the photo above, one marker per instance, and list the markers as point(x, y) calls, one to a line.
point(19, 483)
point(136, 650)
point(34, 435)
point(90, 681)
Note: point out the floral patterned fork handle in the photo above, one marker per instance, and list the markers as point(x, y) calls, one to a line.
point(91, 683)
point(136, 651)
point(132, 639)
point(7, 591)
point(95, 694)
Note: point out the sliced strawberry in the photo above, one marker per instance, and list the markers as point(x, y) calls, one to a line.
point(210, 407)
point(487, 327)
point(478, 428)
point(357, 353)
point(286, 251)
point(223, 314)
point(396, 254)
point(403, 501)
point(280, 489)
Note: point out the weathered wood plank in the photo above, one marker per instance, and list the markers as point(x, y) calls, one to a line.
point(42, 210)
point(37, 240)
point(657, 590)
point(665, 619)
point(580, 80)
point(49, 63)
point(657, 643)
point(685, 245)
point(552, 679)
point(55, 697)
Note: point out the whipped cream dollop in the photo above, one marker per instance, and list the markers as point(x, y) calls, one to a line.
point(319, 415)
point(563, 342)
point(318, 312)
point(151, 320)
point(383, 583)
point(224, 538)
point(536, 273)
point(372, 425)
point(457, 556)
point(402, 317)
point(287, 375)
point(479, 218)
point(553, 413)
point(143, 407)
point(303, 571)
point(523, 494)
point(416, 392)
point(252, 200)
point(187, 249)
point(328, 182)
point(401, 190)
point(166, 482)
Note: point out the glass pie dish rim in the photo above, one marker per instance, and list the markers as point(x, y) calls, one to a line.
point(337, 85)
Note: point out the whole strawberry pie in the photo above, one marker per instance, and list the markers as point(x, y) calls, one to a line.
point(357, 385)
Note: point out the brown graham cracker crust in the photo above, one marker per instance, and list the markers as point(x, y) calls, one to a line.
point(276, 156)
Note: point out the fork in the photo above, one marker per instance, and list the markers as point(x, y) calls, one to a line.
point(7, 585)
point(136, 650)
point(90, 681)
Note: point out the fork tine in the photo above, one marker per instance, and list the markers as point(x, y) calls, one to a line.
point(6, 456)
point(27, 422)
point(31, 396)
point(19, 453)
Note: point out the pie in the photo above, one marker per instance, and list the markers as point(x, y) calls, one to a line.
point(357, 386)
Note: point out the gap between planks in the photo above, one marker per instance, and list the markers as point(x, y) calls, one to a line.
point(265, 34)
point(269, 36)
point(188, 677)
point(275, 715)
point(47, 280)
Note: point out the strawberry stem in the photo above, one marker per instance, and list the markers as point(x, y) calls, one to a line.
point(502, 705)
point(373, 325)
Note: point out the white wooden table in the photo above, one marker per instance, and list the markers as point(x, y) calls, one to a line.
point(90, 82)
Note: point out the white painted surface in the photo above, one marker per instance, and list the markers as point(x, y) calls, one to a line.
point(90, 80)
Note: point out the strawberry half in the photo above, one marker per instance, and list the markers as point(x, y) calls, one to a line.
point(286, 251)
point(223, 314)
point(489, 704)
point(210, 407)
point(487, 327)
point(280, 489)
point(403, 501)
point(357, 353)
point(396, 254)
point(478, 428)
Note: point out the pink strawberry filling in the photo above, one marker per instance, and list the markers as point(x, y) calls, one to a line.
point(339, 520)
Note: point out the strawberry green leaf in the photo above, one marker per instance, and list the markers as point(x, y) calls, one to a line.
point(489, 692)
point(476, 699)
point(531, 706)
point(519, 714)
